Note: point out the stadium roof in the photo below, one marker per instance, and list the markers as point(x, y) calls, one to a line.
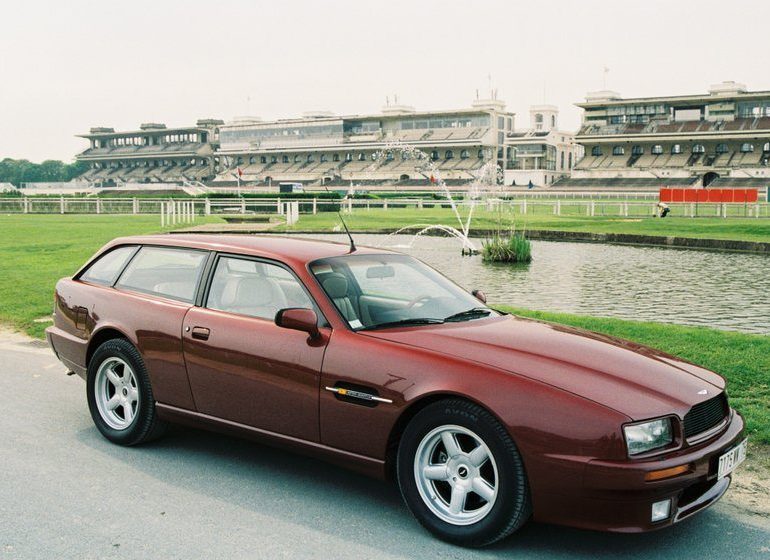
point(678, 99)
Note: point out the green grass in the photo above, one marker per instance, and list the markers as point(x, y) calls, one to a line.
point(742, 359)
point(37, 250)
point(742, 229)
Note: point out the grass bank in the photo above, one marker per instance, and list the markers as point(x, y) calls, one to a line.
point(737, 229)
point(742, 359)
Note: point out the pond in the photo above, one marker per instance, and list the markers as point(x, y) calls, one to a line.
point(729, 291)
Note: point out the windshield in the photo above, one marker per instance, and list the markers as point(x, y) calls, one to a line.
point(380, 291)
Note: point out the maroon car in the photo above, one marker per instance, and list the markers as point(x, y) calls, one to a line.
point(375, 361)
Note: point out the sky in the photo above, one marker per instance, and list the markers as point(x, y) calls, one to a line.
point(68, 66)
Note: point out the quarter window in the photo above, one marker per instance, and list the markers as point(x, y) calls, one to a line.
point(676, 149)
point(106, 269)
point(618, 150)
point(254, 288)
point(746, 148)
point(657, 149)
point(596, 151)
point(163, 271)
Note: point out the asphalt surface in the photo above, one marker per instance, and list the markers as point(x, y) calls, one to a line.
point(65, 492)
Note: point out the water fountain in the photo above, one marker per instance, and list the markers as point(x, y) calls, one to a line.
point(486, 177)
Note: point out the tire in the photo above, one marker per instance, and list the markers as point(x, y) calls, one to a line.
point(493, 492)
point(120, 396)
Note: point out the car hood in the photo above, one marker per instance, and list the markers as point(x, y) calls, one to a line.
point(635, 380)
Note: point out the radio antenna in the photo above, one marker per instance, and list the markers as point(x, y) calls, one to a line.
point(350, 237)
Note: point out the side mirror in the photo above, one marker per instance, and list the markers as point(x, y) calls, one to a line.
point(298, 319)
point(479, 295)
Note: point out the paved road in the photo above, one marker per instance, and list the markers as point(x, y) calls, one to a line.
point(65, 492)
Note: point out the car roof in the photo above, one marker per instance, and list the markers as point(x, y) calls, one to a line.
point(302, 250)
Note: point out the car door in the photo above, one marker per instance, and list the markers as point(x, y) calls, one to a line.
point(243, 367)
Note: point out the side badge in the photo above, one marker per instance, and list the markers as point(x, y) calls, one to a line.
point(350, 393)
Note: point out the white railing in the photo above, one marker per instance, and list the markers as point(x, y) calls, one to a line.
point(525, 205)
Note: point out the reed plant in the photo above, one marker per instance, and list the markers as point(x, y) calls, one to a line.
point(510, 248)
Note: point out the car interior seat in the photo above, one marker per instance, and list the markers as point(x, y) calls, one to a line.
point(253, 295)
point(336, 286)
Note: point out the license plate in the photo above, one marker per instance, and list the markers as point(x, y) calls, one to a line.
point(730, 460)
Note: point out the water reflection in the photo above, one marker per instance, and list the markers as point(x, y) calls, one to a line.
point(720, 290)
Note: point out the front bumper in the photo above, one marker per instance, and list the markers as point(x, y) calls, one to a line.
point(615, 496)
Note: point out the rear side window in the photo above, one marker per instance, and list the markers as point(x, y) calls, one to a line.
point(167, 272)
point(106, 269)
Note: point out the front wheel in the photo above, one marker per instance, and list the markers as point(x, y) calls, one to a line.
point(120, 396)
point(461, 474)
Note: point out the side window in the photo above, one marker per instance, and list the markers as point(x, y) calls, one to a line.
point(164, 271)
point(106, 269)
point(253, 288)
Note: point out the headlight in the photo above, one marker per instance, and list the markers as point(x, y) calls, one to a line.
point(647, 436)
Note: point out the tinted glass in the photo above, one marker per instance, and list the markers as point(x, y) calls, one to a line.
point(374, 290)
point(253, 288)
point(106, 269)
point(167, 272)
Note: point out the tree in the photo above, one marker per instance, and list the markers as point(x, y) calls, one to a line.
point(17, 171)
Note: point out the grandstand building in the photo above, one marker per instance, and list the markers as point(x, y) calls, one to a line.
point(152, 154)
point(321, 148)
point(720, 139)
point(541, 154)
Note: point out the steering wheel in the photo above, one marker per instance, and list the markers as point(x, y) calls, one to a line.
point(417, 300)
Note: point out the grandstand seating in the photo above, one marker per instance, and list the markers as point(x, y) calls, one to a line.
point(739, 182)
point(631, 182)
point(738, 124)
point(763, 123)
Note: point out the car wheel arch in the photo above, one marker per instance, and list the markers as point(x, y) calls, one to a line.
point(410, 412)
point(101, 336)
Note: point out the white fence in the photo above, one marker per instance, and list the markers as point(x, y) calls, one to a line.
point(191, 207)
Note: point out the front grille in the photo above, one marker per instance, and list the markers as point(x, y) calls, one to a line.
point(704, 416)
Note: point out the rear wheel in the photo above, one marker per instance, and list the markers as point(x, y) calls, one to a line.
point(461, 474)
point(120, 396)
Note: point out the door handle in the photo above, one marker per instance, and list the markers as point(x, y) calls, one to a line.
point(201, 333)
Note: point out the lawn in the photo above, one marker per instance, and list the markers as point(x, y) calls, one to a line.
point(741, 229)
point(36, 250)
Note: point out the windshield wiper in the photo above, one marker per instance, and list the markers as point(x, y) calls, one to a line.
point(404, 323)
point(469, 314)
